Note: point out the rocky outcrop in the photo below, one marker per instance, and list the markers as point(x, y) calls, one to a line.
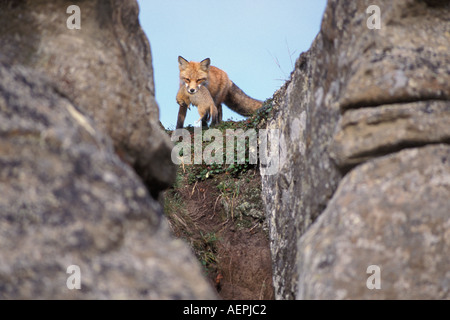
point(367, 132)
point(391, 212)
point(105, 68)
point(355, 121)
point(70, 103)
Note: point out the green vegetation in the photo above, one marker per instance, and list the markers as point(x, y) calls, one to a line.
point(206, 171)
point(212, 201)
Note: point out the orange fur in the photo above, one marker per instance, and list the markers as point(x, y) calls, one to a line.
point(197, 75)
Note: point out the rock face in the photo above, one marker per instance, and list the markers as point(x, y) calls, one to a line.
point(105, 68)
point(364, 133)
point(355, 120)
point(69, 102)
point(392, 212)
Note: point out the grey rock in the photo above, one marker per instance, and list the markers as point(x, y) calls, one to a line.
point(392, 212)
point(356, 95)
point(406, 60)
point(105, 68)
point(367, 132)
point(77, 108)
point(67, 199)
point(306, 114)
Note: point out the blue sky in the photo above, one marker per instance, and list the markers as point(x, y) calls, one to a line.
point(255, 42)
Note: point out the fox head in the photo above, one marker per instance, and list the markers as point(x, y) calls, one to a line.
point(193, 74)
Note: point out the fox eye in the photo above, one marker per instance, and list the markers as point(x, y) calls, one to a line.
point(201, 80)
point(187, 80)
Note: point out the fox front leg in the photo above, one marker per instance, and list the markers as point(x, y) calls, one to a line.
point(181, 115)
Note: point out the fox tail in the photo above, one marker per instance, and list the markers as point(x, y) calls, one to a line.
point(240, 102)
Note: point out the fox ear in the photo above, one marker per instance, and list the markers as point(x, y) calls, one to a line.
point(204, 64)
point(183, 63)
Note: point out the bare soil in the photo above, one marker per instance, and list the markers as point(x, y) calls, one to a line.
point(232, 247)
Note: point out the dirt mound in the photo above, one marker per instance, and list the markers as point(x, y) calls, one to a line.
point(222, 218)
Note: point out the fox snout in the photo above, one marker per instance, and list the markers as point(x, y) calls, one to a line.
point(192, 88)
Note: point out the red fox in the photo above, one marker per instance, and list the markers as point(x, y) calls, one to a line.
point(197, 75)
